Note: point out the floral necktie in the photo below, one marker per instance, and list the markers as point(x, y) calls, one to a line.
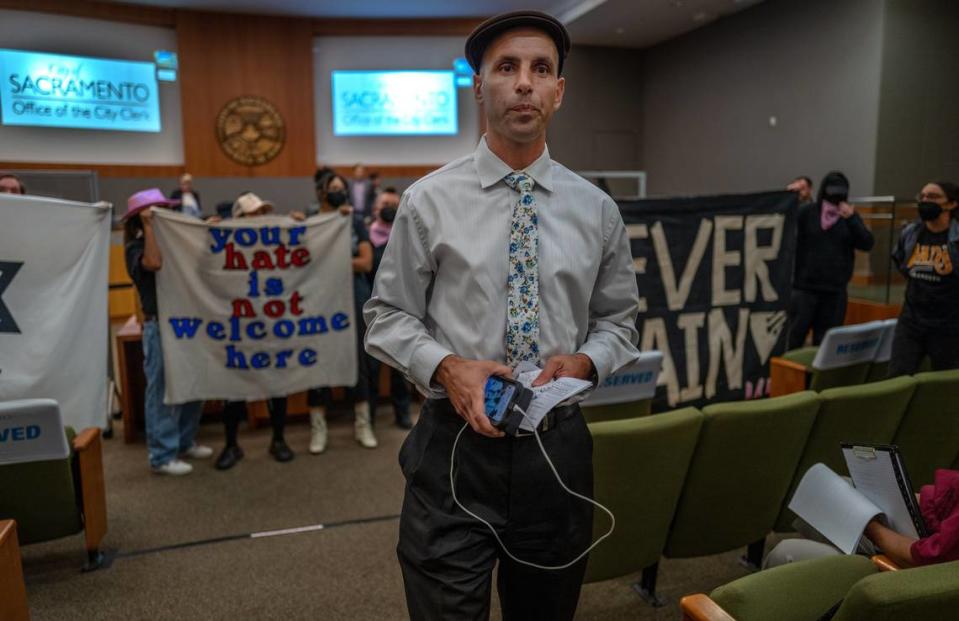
point(522, 306)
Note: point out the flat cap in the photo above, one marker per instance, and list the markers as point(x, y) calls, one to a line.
point(485, 33)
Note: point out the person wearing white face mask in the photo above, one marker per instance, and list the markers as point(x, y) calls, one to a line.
point(927, 255)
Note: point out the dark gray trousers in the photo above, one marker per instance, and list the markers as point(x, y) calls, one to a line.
point(447, 557)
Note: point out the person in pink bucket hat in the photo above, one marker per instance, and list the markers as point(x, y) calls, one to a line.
point(171, 429)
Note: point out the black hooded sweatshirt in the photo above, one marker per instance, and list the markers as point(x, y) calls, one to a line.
point(824, 259)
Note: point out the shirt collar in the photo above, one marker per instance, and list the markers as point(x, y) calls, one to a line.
point(491, 169)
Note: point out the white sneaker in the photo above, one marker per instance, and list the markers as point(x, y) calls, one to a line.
point(174, 468)
point(317, 431)
point(197, 451)
point(363, 427)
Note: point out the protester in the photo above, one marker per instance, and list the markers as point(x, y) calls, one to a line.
point(829, 231)
point(249, 205)
point(332, 195)
point(11, 184)
point(188, 197)
point(322, 171)
point(927, 254)
point(384, 213)
point(939, 506)
point(170, 429)
point(498, 258)
point(803, 187)
point(361, 191)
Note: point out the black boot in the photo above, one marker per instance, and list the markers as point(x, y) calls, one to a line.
point(228, 458)
point(403, 420)
point(280, 451)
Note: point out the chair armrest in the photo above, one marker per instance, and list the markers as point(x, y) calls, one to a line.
point(786, 377)
point(89, 452)
point(884, 563)
point(699, 607)
point(13, 592)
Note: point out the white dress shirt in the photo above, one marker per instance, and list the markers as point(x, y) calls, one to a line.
point(441, 286)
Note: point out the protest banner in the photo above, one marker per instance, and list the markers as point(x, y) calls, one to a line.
point(254, 308)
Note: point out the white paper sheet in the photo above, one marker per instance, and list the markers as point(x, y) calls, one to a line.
point(833, 507)
point(875, 478)
point(547, 396)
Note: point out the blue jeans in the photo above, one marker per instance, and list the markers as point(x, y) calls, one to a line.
point(171, 429)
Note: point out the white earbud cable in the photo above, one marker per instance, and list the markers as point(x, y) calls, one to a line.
point(612, 517)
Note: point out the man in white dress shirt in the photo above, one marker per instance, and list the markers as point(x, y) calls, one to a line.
point(501, 257)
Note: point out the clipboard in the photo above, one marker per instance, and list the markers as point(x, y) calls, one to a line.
point(878, 472)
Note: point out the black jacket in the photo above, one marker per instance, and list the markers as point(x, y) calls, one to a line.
point(824, 259)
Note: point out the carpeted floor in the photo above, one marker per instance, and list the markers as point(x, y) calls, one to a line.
point(342, 572)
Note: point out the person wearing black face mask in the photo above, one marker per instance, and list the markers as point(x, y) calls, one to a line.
point(927, 254)
point(384, 212)
point(829, 231)
point(332, 195)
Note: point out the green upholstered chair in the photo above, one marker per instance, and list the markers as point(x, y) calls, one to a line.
point(57, 498)
point(617, 411)
point(821, 379)
point(743, 465)
point(925, 593)
point(804, 591)
point(870, 413)
point(928, 435)
point(639, 466)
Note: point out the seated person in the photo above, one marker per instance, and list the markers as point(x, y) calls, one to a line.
point(939, 505)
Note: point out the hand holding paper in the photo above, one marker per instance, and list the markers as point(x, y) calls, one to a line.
point(546, 396)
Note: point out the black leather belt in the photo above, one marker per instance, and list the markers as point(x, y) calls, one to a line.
point(149, 317)
point(550, 421)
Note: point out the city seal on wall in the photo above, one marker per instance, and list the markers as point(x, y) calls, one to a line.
point(250, 130)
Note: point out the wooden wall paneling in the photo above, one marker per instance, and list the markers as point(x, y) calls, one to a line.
point(395, 27)
point(103, 170)
point(226, 56)
point(112, 11)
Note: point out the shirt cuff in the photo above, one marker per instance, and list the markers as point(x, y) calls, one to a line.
point(423, 365)
point(600, 360)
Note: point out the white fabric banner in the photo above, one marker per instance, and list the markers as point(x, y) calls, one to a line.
point(54, 259)
point(254, 308)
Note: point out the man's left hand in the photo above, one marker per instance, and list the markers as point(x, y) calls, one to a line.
point(846, 210)
point(573, 365)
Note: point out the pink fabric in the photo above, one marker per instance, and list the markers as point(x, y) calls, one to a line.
point(939, 504)
point(380, 233)
point(828, 216)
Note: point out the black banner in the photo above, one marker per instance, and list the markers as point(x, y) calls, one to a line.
point(715, 277)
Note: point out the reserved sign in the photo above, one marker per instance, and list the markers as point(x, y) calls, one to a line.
point(31, 430)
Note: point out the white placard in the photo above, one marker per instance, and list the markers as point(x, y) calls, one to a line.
point(31, 430)
point(633, 382)
point(848, 345)
point(254, 308)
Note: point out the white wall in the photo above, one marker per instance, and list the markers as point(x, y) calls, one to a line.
point(335, 53)
point(45, 32)
point(709, 95)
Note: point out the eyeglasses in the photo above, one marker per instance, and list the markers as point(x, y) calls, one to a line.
point(929, 196)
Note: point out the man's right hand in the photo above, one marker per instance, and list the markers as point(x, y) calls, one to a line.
point(464, 381)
